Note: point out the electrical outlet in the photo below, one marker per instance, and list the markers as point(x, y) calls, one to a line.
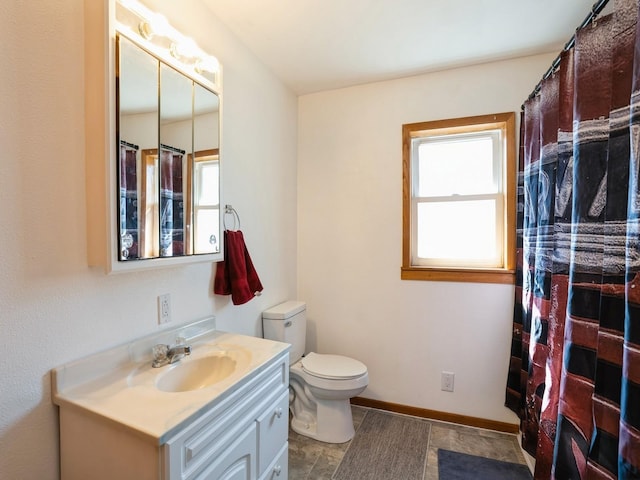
point(447, 381)
point(164, 308)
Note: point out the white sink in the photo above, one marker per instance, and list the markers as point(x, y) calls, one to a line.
point(201, 372)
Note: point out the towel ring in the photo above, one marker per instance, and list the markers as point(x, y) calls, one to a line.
point(229, 210)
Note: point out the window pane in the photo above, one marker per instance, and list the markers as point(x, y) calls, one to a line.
point(464, 230)
point(207, 228)
point(456, 166)
point(207, 183)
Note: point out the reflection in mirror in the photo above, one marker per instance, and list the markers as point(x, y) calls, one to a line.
point(206, 205)
point(169, 202)
point(137, 124)
point(206, 172)
point(176, 138)
point(149, 196)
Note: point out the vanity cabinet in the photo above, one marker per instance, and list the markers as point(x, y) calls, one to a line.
point(242, 434)
point(263, 445)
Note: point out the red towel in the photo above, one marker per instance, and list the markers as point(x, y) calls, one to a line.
point(236, 275)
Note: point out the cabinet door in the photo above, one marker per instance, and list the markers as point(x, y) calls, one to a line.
point(273, 427)
point(279, 468)
point(237, 462)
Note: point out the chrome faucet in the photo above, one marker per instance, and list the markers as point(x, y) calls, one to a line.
point(165, 355)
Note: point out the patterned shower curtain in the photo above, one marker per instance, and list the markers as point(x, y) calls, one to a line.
point(171, 203)
point(129, 218)
point(574, 376)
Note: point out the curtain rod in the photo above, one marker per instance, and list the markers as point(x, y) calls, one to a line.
point(593, 14)
point(130, 145)
point(172, 149)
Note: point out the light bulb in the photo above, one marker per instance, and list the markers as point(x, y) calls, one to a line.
point(185, 48)
point(160, 25)
point(207, 64)
point(145, 30)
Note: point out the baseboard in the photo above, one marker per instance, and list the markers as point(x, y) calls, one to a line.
point(436, 415)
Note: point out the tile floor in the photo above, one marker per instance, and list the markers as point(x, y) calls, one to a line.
point(312, 460)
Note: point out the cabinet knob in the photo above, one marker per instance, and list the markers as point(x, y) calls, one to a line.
point(277, 470)
point(279, 412)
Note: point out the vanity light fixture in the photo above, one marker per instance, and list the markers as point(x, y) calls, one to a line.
point(154, 33)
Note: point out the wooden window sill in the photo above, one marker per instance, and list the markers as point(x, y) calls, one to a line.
point(469, 275)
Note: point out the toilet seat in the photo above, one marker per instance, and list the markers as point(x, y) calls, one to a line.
point(332, 367)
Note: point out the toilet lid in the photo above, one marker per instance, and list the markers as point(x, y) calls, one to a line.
point(332, 366)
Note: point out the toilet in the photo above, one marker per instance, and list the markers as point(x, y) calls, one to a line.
point(320, 385)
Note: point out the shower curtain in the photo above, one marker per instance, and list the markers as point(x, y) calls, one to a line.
point(574, 375)
point(129, 218)
point(171, 203)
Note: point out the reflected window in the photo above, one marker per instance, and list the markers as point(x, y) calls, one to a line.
point(206, 205)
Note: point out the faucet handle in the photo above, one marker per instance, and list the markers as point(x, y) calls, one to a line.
point(180, 341)
point(160, 353)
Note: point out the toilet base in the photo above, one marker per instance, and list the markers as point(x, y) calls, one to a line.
point(333, 417)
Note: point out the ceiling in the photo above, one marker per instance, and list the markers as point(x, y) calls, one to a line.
point(315, 45)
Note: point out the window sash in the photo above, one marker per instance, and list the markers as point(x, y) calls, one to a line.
point(421, 239)
point(461, 235)
point(206, 214)
point(497, 159)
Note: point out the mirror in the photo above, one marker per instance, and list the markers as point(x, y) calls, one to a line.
point(169, 172)
point(206, 174)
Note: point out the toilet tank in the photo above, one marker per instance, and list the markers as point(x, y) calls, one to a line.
point(287, 322)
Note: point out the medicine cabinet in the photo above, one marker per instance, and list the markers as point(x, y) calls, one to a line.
point(153, 152)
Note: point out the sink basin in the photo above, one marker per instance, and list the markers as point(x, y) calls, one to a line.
point(195, 373)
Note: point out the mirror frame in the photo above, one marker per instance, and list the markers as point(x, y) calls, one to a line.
point(101, 144)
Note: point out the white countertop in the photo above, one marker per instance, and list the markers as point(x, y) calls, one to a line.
point(119, 385)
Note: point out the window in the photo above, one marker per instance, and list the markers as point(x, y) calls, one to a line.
point(206, 208)
point(459, 199)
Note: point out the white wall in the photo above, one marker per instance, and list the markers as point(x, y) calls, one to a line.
point(53, 308)
point(350, 242)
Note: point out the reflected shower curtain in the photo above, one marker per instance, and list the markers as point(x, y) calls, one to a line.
point(129, 218)
point(574, 376)
point(171, 204)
